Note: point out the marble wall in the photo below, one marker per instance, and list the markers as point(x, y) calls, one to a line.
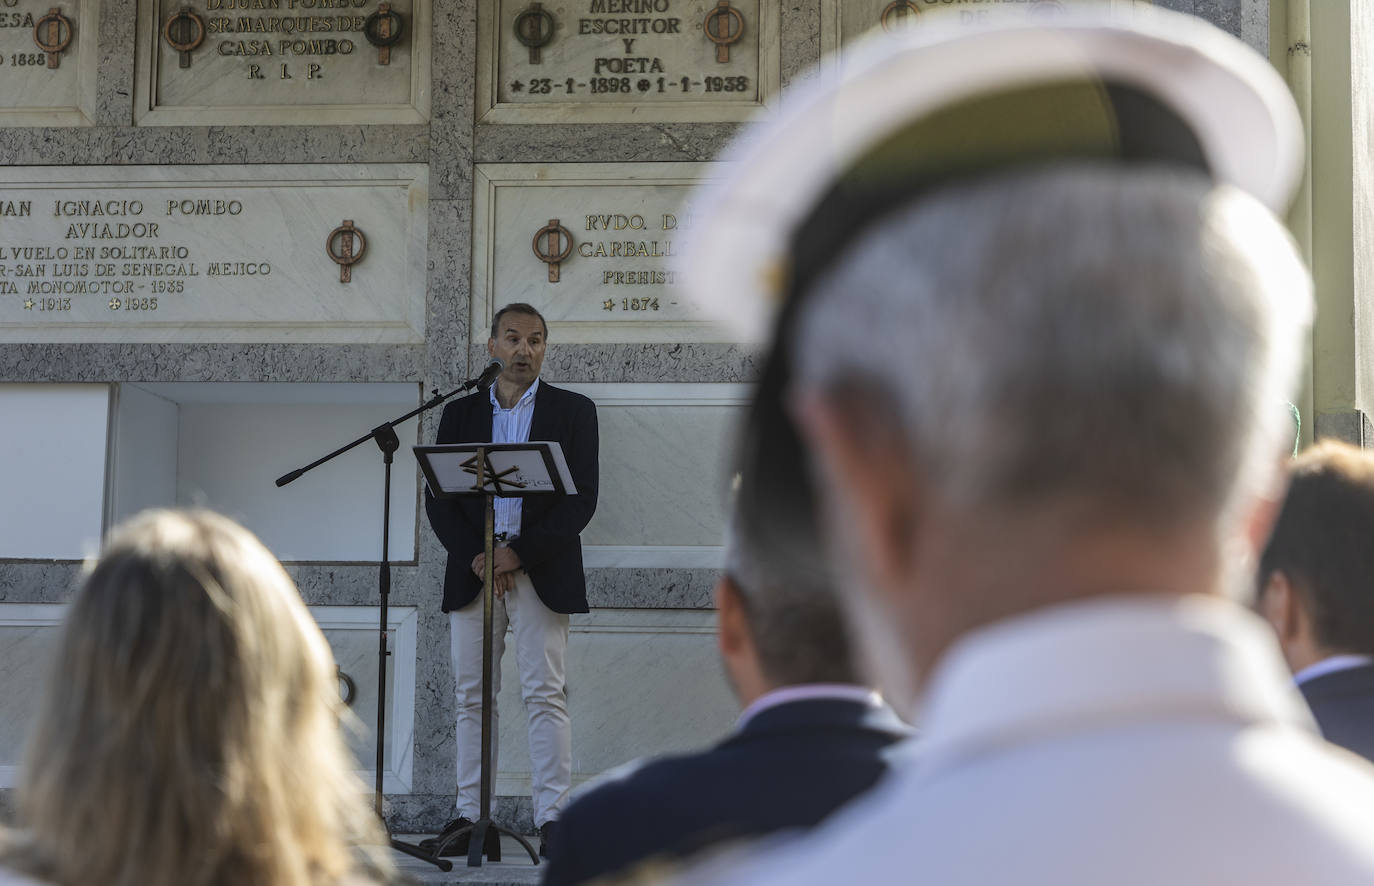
point(644, 677)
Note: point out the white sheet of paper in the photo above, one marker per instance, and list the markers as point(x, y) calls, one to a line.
point(530, 470)
point(562, 464)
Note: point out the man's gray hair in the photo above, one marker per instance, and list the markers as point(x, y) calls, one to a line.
point(1121, 337)
point(792, 609)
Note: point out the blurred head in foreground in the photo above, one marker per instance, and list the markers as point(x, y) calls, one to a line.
point(1316, 588)
point(1033, 324)
point(1040, 412)
point(778, 617)
point(191, 730)
point(1317, 572)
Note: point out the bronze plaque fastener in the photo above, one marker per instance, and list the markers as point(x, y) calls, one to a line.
point(346, 256)
point(534, 29)
point(52, 33)
point(383, 29)
point(724, 25)
point(898, 14)
point(557, 244)
point(184, 32)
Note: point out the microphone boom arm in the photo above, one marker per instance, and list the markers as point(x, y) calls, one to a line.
point(384, 434)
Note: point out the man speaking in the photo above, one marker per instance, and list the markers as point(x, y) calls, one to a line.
point(536, 564)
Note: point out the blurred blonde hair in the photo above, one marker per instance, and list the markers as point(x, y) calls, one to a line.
point(190, 734)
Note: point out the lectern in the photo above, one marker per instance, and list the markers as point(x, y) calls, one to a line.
point(507, 470)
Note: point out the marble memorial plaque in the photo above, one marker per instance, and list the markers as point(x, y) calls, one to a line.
point(590, 245)
point(568, 61)
point(665, 450)
point(48, 62)
point(640, 683)
point(213, 254)
point(844, 21)
point(295, 62)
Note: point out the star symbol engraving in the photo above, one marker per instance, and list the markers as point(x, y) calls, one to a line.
point(114, 304)
point(28, 304)
point(609, 304)
point(517, 86)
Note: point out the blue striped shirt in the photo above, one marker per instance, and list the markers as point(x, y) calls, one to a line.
point(511, 426)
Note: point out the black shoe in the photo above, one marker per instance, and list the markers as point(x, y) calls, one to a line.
point(547, 832)
point(457, 847)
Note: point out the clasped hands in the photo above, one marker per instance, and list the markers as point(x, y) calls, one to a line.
point(504, 563)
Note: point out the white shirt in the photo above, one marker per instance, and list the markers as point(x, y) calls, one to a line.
point(511, 426)
point(1330, 666)
point(1133, 741)
point(809, 692)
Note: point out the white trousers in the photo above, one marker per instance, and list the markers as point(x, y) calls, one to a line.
point(541, 639)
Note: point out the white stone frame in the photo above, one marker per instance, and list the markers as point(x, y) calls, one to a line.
point(147, 112)
point(491, 110)
point(401, 622)
point(831, 39)
point(86, 57)
point(660, 394)
point(405, 325)
point(488, 177)
point(27, 615)
point(700, 623)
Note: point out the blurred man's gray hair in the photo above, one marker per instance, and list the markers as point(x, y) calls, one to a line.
point(792, 609)
point(1123, 339)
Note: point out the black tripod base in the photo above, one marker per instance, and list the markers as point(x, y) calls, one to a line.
point(442, 864)
point(478, 833)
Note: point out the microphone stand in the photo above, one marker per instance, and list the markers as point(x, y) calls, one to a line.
point(388, 443)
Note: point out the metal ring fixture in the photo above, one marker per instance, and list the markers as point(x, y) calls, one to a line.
point(56, 23)
point(730, 35)
point(350, 689)
point(564, 235)
point(1046, 8)
point(348, 257)
point(372, 28)
point(905, 6)
point(558, 238)
point(538, 35)
point(183, 41)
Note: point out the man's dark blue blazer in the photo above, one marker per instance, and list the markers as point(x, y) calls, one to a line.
point(1343, 702)
point(789, 766)
point(550, 543)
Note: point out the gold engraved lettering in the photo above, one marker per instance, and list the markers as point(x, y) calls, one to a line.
point(120, 231)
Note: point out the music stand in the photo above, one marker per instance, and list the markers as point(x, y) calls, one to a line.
point(507, 470)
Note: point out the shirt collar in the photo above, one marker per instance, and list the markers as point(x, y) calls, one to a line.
point(809, 692)
point(1091, 664)
point(525, 398)
point(1330, 666)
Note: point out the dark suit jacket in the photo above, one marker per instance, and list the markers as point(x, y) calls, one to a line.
point(789, 767)
point(1343, 703)
point(550, 543)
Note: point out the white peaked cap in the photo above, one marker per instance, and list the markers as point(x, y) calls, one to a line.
point(1232, 105)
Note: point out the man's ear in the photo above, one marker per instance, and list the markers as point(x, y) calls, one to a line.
point(732, 634)
point(1280, 606)
point(491, 347)
point(868, 474)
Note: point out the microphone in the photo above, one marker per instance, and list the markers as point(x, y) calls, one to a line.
point(483, 381)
